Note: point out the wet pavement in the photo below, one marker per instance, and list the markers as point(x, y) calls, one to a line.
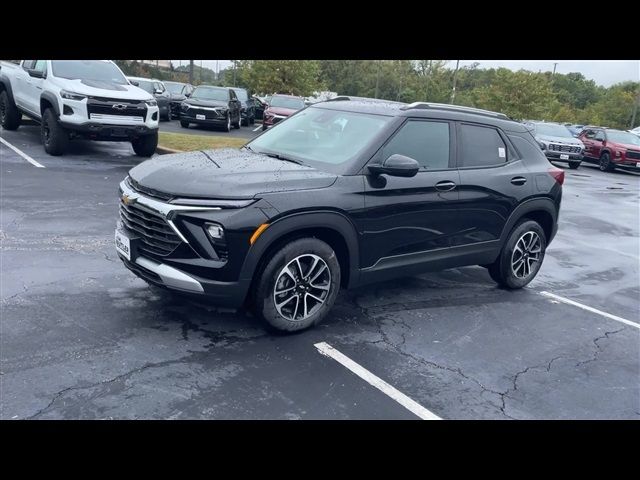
point(82, 337)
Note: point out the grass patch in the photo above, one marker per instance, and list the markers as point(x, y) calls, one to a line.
point(187, 143)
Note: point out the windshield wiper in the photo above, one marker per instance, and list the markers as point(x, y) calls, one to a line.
point(283, 158)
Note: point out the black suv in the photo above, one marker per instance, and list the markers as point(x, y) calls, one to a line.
point(342, 193)
point(178, 93)
point(247, 106)
point(209, 105)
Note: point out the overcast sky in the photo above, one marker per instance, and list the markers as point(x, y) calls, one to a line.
point(603, 72)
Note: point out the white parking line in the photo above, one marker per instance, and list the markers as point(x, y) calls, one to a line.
point(257, 128)
point(414, 407)
point(591, 309)
point(22, 154)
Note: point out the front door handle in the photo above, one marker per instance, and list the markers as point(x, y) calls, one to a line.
point(518, 180)
point(445, 186)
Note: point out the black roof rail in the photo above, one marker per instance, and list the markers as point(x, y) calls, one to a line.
point(342, 98)
point(445, 106)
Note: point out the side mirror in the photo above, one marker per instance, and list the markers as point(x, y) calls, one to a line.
point(396, 166)
point(134, 83)
point(157, 91)
point(187, 94)
point(36, 73)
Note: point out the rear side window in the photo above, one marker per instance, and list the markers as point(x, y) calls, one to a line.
point(481, 147)
point(426, 142)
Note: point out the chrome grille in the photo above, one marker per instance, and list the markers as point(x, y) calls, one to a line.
point(156, 235)
point(564, 148)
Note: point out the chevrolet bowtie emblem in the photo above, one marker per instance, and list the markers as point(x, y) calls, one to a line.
point(128, 200)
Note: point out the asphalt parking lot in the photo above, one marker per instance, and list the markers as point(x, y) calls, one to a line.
point(82, 337)
point(243, 132)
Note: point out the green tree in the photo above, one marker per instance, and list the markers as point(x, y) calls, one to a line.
point(296, 77)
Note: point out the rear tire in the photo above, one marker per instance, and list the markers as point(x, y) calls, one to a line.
point(574, 165)
point(521, 257)
point(10, 116)
point(304, 300)
point(55, 138)
point(145, 146)
point(184, 124)
point(605, 163)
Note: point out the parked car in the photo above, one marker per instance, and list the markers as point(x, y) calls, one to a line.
point(209, 105)
point(159, 92)
point(280, 107)
point(557, 143)
point(247, 106)
point(611, 148)
point(178, 93)
point(91, 99)
point(342, 194)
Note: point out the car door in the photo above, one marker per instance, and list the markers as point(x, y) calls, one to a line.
point(493, 180)
point(406, 218)
point(21, 83)
point(597, 144)
point(234, 105)
point(33, 86)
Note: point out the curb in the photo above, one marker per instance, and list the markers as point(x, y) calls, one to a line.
point(165, 151)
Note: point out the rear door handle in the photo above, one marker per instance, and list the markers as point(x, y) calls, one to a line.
point(445, 186)
point(518, 180)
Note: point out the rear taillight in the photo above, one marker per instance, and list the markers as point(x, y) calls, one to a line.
point(557, 174)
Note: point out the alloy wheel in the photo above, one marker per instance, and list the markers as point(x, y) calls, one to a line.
point(302, 287)
point(526, 254)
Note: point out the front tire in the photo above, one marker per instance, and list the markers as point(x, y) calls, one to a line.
point(184, 124)
point(238, 124)
point(574, 165)
point(298, 286)
point(521, 257)
point(55, 138)
point(10, 116)
point(605, 163)
point(145, 146)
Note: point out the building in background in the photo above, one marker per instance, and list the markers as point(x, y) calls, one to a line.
point(166, 64)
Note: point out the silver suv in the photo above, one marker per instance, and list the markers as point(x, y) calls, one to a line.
point(558, 143)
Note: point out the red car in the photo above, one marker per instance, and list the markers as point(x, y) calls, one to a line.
point(280, 107)
point(611, 148)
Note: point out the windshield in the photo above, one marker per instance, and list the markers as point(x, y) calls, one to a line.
point(241, 94)
point(552, 130)
point(287, 102)
point(101, 70)
point(319, 135)
point(209, 93)
point(622, 137)
point(146, 85)
point(174, 88)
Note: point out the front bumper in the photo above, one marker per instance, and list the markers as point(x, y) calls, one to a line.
point(107, 132)
point(555, 156)
point(220, 121)
point(630, 166)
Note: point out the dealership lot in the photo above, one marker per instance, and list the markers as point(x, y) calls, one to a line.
point(243, 132)
point(81, 337)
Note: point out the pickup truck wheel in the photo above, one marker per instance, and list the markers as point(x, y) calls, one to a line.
point(184, 124)
point(10, 116)
point(54, 137)
point(574, 165)
point(605, 163)
point(145, 146)
point(298, 286)
point(521, 257)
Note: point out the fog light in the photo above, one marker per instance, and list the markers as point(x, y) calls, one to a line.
point(215, 231)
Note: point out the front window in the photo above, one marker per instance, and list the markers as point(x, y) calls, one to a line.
point(208, 93)
point(618, 136)
point(99, 70)
point(552, 130)
point(287, 102)
point(241, 94)
point(329, 137)
point(174, 88)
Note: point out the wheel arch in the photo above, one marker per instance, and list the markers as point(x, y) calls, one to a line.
point(541, 210)
point(48, 99)
point(331, 227)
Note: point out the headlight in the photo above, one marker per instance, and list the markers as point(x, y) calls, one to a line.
point(151, 103)
point(542, 145)
point(618, 154)
point(71, 95)
point(215, 231)
point(184, 107)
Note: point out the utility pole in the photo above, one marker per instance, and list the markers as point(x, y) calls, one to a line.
point(191, 72)
point(234, 72)
point(455, 79)
point(554, 68)
point(377, 79)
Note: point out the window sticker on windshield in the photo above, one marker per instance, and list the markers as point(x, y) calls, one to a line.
point(501, 152)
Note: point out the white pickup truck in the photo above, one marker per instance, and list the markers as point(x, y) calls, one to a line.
point(78, 98)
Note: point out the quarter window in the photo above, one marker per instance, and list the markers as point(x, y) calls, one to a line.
point(481, 146)
point(426, 142)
